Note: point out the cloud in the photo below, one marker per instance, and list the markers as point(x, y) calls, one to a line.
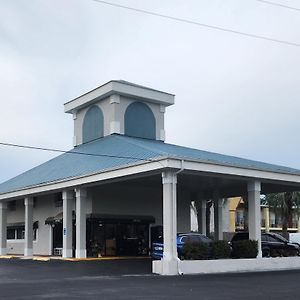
point(234, 94)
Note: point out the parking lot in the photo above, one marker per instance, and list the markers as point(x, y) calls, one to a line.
point(132, 279)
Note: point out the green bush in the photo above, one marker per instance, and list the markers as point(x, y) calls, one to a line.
point(220, 249)
point(195, 251)
point(244, 249)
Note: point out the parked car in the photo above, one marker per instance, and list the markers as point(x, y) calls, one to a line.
point(294, 238)
point(182, 238)
point(272, 244)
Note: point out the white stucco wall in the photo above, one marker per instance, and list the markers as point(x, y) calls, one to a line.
point(113, 113)
point(44, 208)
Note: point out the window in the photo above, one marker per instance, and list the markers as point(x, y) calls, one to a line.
point(140, 121)
point(35, 234)
point(20, 233)
point(273, 239)
point(11, 234)
point(92, 127)
point(264, 238)
point(17, 231)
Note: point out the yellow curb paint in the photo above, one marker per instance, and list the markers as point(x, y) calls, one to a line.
point(7, 256)
point(41, 258)
point(105, 258)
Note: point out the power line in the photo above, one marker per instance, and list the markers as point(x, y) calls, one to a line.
point(199, 24)
point(71, 152)
point(278, 4)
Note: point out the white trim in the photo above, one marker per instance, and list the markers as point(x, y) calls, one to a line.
point(155, 165)
point(247, 173)
point(231, 265)
point(115, 127)
point(19, 241)
point(120, 88)
point(114, 99)
point(138, 168)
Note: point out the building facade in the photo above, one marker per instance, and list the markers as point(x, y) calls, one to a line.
point(122, 184)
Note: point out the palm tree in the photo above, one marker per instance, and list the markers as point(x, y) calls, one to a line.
point(285, 204)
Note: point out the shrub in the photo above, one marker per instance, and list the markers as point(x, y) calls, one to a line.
point(196, 250)
point(220, 249)
point(244, 249)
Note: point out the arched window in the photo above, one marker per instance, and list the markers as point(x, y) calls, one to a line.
point(92, 124)
point(140, 121)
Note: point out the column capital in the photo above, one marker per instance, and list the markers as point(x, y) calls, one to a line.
point(254, 186)
point(169, 177)
point(68, 194)
point(81, 192)
point(28, 201)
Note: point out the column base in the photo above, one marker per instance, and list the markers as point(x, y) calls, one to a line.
point(28, 252)
point(259, 254)
point(80, 253)
point(67, 253)
point(3, 251)
point(170, 267)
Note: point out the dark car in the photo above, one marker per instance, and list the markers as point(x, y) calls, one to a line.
point(272, 244)
point(158, 247)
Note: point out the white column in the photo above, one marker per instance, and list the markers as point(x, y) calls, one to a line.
point(254, 214)
point(50, 252)
point(3, 228)
point(170, 257)
point(68, 197)
point(80, 223)
point(201, 211)
point(218, 218)
point(28, 243)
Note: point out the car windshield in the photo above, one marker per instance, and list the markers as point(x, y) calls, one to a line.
point(279, 237)
point(194, 238)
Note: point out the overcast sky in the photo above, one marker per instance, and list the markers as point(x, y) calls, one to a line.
point(234, 94)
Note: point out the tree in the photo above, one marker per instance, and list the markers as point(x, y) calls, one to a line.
point(285, 204)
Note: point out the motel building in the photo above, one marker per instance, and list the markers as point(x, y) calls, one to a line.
point(122, 185)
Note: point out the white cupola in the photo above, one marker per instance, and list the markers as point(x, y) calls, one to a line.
point(119, 107)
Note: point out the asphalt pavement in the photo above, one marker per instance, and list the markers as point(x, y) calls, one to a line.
point(132, 279)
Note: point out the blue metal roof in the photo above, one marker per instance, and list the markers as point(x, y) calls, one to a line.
point(117, 151)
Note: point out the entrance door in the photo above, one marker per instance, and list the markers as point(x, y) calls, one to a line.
point(132, 239)
point(57, 239)
point(122, 239)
